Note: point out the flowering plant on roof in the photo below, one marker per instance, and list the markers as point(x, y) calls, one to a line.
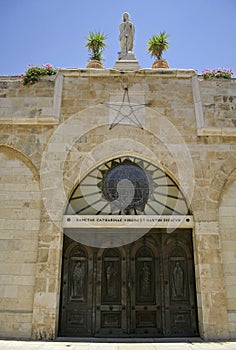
point(217, 73)
point(33, 73)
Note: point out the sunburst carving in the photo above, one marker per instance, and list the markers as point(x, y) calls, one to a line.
point(127, 186)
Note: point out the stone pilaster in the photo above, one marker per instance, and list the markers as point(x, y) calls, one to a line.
point(213, 321)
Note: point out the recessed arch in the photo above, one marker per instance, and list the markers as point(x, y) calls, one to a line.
point(221, 178)
point(98, 115)
point(15, 153)
point(127, 185)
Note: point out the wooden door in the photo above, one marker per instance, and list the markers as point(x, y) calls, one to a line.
point(111, 292)
point(144, 289)
point(179, 284)
point(76, 290)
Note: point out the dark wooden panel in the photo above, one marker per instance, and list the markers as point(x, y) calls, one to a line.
point(111, 319)
point(111, 297)
point(180, 295)
point(144, 289)
point(146, 319)
point(76, 293)
point(111, 277)
point(146, 294)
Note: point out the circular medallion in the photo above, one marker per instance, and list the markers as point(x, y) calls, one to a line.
point(126, 186)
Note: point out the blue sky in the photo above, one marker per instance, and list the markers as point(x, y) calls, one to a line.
point(202, 32)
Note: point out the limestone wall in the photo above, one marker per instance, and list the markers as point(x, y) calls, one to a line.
point(19, 226)
point(227, 218)
point(32, 104)
point(55, 131)
point(219, 102)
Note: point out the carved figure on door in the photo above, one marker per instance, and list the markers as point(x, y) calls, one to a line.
point(78, 280)
point(111, 283)
point(145, 280)
point(178, 281)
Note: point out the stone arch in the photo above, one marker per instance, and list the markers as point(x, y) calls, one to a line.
point(20, 217)
point(221, 178)
point(206, 198)
point(78, 163)
point(136, 161)
point(14, 152)
point(98, 115)
point(53, 177)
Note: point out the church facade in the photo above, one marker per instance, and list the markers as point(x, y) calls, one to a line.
point(118, 197)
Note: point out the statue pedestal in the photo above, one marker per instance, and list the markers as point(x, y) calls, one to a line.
point(127, 62)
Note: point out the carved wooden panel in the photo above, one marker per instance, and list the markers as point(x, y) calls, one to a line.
point(76, 317)
point(76, 296)
point(146, 319)
point(110, 319)
point(78, 270)
point(180, 297)
point(144, 289)
point(178, 275)
point(111, 292)
point(146, 295)
point(111, 277)
point(145, 276)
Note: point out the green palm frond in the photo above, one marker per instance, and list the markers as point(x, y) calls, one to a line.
point(158, 44)
point(96, 45)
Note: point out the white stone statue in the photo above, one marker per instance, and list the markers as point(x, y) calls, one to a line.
point(126, 35)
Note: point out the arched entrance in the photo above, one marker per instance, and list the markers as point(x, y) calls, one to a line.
point(144, 287)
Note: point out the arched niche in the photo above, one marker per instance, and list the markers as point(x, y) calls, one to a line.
point(127, 185)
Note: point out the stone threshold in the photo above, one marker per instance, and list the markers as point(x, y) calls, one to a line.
point(135, 340)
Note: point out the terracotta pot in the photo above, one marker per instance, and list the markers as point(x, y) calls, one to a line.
point(160, 64)
point(94, 64)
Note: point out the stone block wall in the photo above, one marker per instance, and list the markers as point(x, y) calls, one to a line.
point(227, 219)
point(62, 126)
point(30, 104)
point(219, 102)
point(19, 227)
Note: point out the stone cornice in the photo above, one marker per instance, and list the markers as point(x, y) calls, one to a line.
point(161, 73)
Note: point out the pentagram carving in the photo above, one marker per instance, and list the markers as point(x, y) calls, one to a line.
point(125, 110)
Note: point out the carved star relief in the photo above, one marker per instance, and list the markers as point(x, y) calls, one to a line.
point(125, 110)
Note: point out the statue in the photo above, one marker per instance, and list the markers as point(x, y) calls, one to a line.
point(126, 57)
point(126, 36)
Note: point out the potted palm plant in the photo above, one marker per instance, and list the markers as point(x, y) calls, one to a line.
point(95, 45)
point(156, 46)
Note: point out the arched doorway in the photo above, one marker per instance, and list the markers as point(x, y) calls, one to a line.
point(144, 287)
